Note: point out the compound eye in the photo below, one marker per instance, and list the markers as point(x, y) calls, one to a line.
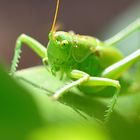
point(64, 43)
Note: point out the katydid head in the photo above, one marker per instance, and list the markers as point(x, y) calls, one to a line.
point(59, 50)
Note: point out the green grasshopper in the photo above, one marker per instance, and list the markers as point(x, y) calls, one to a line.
point(90, 63)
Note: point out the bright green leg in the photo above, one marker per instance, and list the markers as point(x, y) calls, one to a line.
point(84, 79)
point(116, 70)
point(124, 33)
point(38, 48)
point(99, 81)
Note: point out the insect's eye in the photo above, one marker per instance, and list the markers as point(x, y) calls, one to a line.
point(64, 43)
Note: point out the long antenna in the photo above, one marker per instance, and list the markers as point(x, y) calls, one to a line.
point(55, 16)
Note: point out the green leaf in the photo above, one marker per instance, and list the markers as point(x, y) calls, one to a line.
point(41, 79)
point(127, 111)
point(28, 112)
point(22, 111)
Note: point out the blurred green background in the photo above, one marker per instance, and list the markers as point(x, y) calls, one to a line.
point(26, 112)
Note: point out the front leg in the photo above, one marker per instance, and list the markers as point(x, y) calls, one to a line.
point(83, 78)
point(38, 48)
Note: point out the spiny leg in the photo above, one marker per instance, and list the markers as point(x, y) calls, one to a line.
point(99, 81)
point(124, 33)
point(38, 48)
point(111, 106)
point(115, 71)
point(83, 79)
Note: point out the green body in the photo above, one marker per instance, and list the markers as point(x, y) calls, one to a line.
point(80, 52)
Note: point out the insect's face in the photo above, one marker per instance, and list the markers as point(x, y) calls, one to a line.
point(59, 50)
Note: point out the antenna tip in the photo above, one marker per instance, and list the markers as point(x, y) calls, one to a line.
point(55, 16)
